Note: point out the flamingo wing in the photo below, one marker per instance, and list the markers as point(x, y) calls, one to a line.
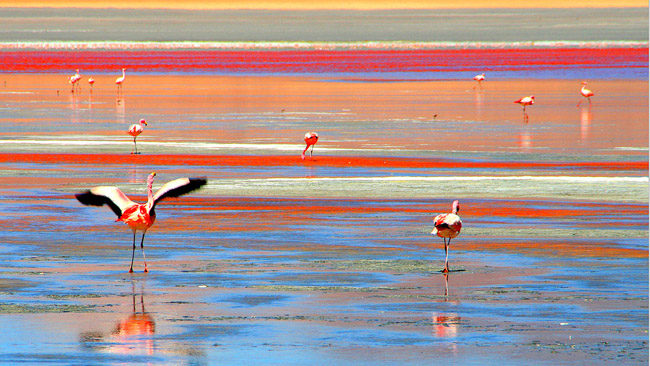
point(177, 188)
point(111, 196)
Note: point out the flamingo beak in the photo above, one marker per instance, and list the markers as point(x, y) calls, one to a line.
point(153, 174)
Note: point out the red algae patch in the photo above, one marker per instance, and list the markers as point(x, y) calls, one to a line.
point(327, 161)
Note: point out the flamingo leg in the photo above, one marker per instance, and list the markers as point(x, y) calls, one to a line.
point(589, 98)
point(446, 269)
point(311, 152)
point(580, 102)
point(132, 253)
point(304, 151)
point(135, 147)
point(143, 256)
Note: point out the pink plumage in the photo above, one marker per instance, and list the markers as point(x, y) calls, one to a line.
point(138, 216)
point(478, 79)
point(448, 226)
point(586, 93)
point(311, 138)
point(135, 130)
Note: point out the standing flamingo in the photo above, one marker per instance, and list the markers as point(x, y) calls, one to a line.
point(74, 79)
point(91, 81)
point(447, 226)
point(138, 216)
point(586, 93)
point(479, 78)
point(524, 102)
point(119, 82)
point(311, 138)
point(135, 130)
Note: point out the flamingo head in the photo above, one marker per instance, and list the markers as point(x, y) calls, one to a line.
point(150, 178)
point(124, 69)
point(455, 207)
point(584, 83)
point(143, 122)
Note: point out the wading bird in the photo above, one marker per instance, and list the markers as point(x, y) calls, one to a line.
point(74, 81)
point(524, 102)
point(447, 226)
point(138, 216)
point(119, 82)
point(135, 130)
point(586, 93)
point(478, 79)
point(311, 138)
point(91, 81)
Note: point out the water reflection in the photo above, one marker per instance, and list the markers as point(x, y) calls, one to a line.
point(525, 139)
point(445, 325)
point(120, 110)
point(585, 122)
point(478, 103)
point(133, 335)
point(74, 102)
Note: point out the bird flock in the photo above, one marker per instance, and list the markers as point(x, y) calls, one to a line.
point(140, 217)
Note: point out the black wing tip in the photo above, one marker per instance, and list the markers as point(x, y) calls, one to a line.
point(198, 182)
point(86, 198)
point(90, 199)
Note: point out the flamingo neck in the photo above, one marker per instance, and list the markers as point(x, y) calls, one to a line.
point(150, 192)
point(123, 73)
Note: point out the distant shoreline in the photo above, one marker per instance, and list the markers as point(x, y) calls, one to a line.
point(289, 45)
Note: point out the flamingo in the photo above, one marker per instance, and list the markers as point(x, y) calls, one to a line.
point(586, 93)
point(311, 138)
point(91, 81)
point(72, 83)
point(447, 226)
point(479, 78)
point(135, 130)
point(524, 102)
point(119, 82)
point(138, 216)
point(74, 79)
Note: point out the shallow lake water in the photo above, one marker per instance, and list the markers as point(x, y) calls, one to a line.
point(329, 260)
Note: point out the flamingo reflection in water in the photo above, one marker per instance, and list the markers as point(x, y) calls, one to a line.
point(135, 333)
point(446, 325)
point(585, 123)
point(131, 336)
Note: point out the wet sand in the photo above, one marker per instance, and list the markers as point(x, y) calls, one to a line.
point(330, 260)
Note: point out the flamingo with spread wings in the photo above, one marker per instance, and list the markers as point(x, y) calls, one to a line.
point(138, 216)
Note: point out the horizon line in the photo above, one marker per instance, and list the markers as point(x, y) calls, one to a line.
point(318, 5)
